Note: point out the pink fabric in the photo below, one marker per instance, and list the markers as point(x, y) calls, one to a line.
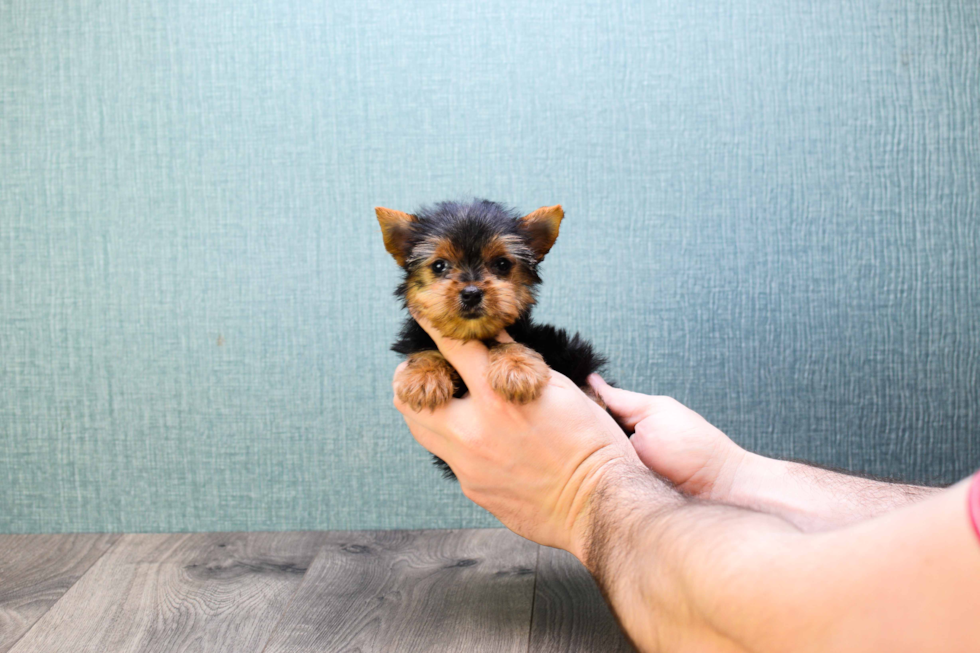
point(973, 503)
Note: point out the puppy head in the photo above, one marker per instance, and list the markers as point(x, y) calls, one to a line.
point(470, 268)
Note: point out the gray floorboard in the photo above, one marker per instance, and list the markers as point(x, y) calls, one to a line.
point(460, 590)
point(35, 571)
point(182, 592)
point(569, 611)
point(467, 591)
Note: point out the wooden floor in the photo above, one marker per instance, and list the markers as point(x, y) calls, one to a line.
point(392, 591)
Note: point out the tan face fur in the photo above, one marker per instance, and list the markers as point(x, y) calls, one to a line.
point(436, 296)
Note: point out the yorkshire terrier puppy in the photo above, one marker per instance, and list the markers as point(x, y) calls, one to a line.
point(471, 269)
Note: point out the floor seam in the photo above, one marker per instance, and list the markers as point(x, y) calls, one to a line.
point(292, 598)
point(534, 597)
point(109, 548)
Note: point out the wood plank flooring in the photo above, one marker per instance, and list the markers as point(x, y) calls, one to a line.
point(454, 590)
point(562, 621)
point(35, 571)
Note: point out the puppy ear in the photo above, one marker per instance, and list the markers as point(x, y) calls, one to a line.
point(541, 228)
point(397, 229)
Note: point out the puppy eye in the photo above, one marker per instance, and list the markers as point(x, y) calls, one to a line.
point(501, 266)
point(439, 266)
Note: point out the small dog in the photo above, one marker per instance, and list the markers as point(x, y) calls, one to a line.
point(471, 269)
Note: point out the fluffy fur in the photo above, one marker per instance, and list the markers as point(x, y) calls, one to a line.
point(471, 268)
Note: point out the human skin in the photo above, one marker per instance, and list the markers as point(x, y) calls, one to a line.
point(686, 573)
point(701, 461)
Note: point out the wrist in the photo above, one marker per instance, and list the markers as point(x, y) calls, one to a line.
point(787, 489)
point(625, 492)
point(752, 480)
point(594, 492)
point(737, 475)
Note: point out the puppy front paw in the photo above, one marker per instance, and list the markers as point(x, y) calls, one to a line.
point(427, 382)
point(517, 373)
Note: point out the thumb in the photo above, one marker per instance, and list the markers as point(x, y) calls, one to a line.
point(627, 407)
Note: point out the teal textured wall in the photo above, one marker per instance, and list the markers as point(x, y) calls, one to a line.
point(773, 215)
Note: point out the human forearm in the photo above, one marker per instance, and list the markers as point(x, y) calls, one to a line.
point(687, 574)
point(658, 556)
point(703, 462)
point(813, 498)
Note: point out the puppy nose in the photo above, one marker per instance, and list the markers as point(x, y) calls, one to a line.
point(471, 296)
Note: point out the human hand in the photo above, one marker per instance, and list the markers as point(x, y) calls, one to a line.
point(675, 442)
point(534, 466)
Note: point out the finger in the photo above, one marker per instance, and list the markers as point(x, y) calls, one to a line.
point(471, 358)
point(503, 336)
point(435, 444)
point(559, 380)
point(396, 379)
point(431, 418)
point(627, 407)
point(430, 440)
